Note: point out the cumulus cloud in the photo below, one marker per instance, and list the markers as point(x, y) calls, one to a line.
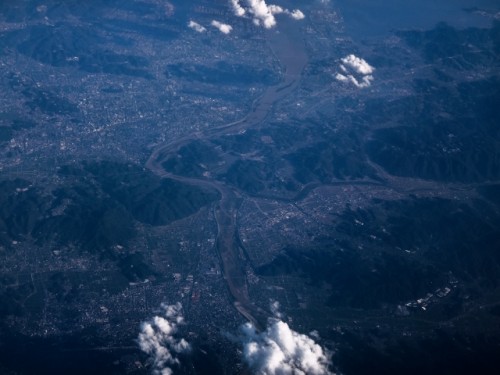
point(279, 350)
point(196, 27)
point(362, 82)
point(358, 64)
point(263, 14)
point(237, 8)
point(223, 28)
point(297, 14)
point(356, 71)
point(158, 338)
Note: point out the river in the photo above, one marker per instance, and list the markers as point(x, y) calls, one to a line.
point(288, 47)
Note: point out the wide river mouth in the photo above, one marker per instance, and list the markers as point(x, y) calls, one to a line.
point(373, 18)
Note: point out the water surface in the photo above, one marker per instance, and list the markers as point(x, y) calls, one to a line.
point(371, 18)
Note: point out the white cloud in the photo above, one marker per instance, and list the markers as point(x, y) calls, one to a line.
point(341, 77)
point(237, 8)
point(158, 339)
point(358, 64)
point(365, 81)
point(196, 27)
point(223, 28)
point(356, 71)
point(279, 350)
point(297, 14)
point(275, 9)
point(263, 14)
